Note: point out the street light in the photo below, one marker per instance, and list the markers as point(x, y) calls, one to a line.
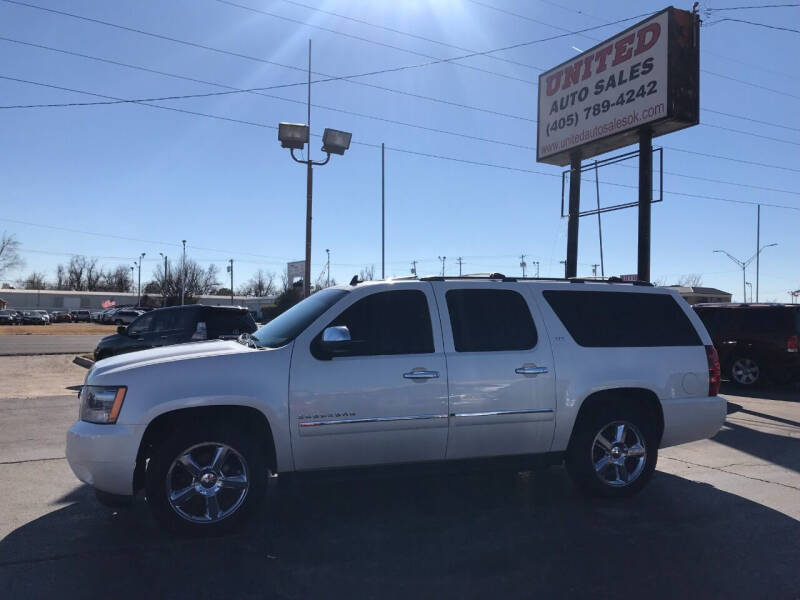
point(743, 266)
point(295, 136)
point(164, 285)
point(139, 264)
point(750, 285)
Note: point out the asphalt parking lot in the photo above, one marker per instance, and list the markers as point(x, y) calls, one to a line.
point(721, 518)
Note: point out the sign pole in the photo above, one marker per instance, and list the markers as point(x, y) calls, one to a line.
point(571, 267)
point(645, 199)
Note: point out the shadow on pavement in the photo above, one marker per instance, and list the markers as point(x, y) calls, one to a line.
point(786, 393)
point(475, 535)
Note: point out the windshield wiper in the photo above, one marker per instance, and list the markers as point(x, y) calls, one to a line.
point(249, 340)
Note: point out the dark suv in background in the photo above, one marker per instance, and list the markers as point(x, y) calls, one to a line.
point(756, 342)
point(176, 325)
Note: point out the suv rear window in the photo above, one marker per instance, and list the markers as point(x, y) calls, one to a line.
point(490, 321)
point(229, 322)
point(622, 319)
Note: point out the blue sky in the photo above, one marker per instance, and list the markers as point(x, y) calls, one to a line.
point(228, 188)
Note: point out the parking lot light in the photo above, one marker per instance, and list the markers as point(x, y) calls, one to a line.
point(335, 141)
point(293, 135)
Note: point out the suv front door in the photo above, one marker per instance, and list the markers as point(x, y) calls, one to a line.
point(500, 370)
point(383, 399)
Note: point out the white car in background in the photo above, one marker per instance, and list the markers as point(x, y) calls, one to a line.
point(596, 375)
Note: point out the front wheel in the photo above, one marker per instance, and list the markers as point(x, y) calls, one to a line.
point(206, 480)
point(613, 451)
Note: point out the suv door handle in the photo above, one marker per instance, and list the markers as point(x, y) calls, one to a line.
point(421, 374)
point(530, 370)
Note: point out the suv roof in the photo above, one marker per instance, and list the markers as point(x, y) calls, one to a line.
point(504, 278)
point(745, 305)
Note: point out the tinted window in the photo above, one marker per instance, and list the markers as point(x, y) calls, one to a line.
point(490, 321)
point(170, 320)
point(229, 322)
point(620, 319)
point(141, 325)
point(395, 322)
point(287, 326)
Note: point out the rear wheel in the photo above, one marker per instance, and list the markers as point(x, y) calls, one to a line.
point(613, 450)
point(746, 372)
point(206, 480)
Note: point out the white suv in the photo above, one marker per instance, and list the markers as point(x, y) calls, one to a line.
point(598, 375)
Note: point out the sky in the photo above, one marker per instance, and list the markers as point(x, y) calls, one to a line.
point(113, 181)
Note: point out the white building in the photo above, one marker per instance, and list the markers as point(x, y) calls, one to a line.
point(68, 300)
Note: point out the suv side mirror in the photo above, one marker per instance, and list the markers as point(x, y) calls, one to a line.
point(335, 340)
point(122, 329)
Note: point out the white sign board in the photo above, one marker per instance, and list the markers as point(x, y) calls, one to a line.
point(617, 86)
point(295, 270)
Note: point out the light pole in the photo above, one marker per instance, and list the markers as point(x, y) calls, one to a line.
point(442, 258)
point(522, 264)
point(536, 262)
point(328, 266)
point(743, 266)
point(750, 285)
point(132, 268)
point(230, 270)
point(563, 262)
point(164, 285)
point(139, 293)
point(183, 273)
point(295, 136)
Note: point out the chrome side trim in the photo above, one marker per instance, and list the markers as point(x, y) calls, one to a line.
point(495, 413)
point(370, 420)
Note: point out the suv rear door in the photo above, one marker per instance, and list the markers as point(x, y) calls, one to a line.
point(500, 370)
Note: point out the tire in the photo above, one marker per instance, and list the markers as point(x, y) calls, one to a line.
point(610, 468)
point(118, 322)
point(746, 372)
point(184, 462)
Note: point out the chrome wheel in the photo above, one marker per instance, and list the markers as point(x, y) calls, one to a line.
point(207, 482)
point(745, 371)
point(619, 454)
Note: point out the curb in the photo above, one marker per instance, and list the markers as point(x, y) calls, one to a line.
point(86, 363)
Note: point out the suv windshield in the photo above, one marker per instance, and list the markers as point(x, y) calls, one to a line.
point(287, 326)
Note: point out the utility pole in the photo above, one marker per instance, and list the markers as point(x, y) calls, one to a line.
point(536, 262)
point(414, 268)
point(522, 264)
point(183, 273)
point(328, 252)
point(599, 221)
point(594, 270)
point(758, 245)
point(309, 187)
point(442, 258)
point(164, 285)
point(139, 264)
point(230, 270)
point(460, 262)
point(383, 211)
point(132, 268)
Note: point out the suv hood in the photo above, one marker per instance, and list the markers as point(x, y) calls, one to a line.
point(167, 354)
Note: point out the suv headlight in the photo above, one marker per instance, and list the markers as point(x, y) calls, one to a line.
point(101, 404)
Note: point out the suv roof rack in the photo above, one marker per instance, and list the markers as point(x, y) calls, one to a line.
point(503, 278)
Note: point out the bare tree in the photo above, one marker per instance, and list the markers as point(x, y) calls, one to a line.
point(261, 284)
point(61, 278)
point(9, 253)
point(198, 280)
point(94, 275)
point(691, 280)
point(116, 280)
point(34, 281)
point(367, 273)
point(76, 273)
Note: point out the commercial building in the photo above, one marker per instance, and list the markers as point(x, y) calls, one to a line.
point(696, 295)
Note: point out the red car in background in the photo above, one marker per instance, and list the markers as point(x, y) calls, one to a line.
point(59, 316)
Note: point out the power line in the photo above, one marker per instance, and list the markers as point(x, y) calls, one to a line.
point(256, 90)
point(782, 126)
point(709, 9)
point(406, 151)
point(758, 135)
point(367, 40)
point(756, 24)
point(730, 158)
point(407, 34)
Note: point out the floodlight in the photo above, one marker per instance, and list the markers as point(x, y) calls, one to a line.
point(293, 135)
point(335, 141)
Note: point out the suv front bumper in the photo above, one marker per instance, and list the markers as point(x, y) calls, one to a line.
point(104, 456)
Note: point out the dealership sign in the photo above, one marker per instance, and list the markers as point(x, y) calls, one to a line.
point(648, 75)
